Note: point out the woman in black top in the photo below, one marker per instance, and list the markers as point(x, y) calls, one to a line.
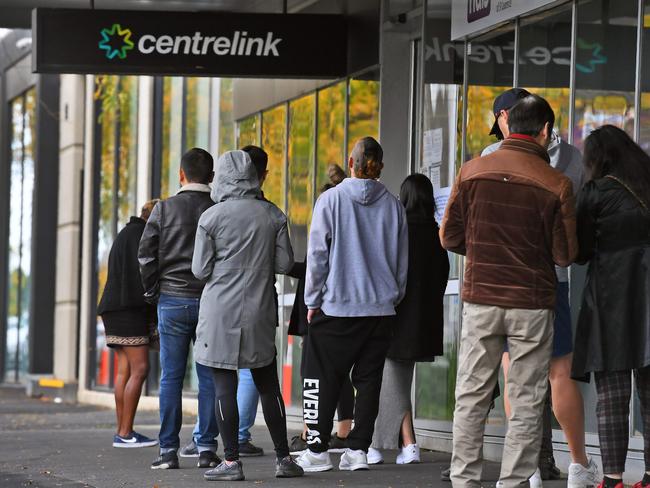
point(129, 323)
point(613, 333)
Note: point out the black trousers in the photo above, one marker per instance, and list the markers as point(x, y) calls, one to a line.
point(336, 346)
point(266, 382)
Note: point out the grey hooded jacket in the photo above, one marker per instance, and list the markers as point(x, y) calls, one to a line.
point(241, 242)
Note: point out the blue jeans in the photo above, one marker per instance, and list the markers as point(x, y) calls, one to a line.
point(177, 320)
point(247, 398)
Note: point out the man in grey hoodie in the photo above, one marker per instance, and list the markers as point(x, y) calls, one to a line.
point(357, 264)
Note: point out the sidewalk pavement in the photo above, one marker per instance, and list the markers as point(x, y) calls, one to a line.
point(47, 445)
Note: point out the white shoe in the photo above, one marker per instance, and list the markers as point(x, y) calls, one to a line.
point(410, 455)
point(375, 456)
point(536, 479)
point(314, 462)
point(353, 459)
point(581, 477)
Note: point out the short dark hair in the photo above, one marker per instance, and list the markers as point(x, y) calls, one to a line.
point(368, 158)
point(259, 158)
point(198, 165)
point(529, 115)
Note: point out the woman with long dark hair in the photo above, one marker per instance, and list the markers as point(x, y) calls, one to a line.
point(418, 325)
point(613, 333)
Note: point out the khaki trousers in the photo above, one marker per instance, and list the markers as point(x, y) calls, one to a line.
point(485, 330)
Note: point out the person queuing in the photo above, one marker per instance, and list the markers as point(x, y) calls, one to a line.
point(567, 401)
point(240, 244)
point(165, 257)
point(613, 332)
point(509, 290)
point(357, 264)
point(298, 327)
point(129, 322)
point(419, 323)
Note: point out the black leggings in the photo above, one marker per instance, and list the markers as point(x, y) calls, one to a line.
point(266, 382)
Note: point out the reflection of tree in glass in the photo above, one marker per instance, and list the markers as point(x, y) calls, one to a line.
point(363, 111)
point(331, 127)
point(301, 159)
point(226, 124)
point(274, 143)
point(248, 131)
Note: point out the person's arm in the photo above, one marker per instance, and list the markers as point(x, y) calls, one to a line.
point(283, 249)
point(565, 242)
point(586, 224)
point(452, 230)
point(318, 256)
point(402, 254)
point(205, 253)
point(148, 255)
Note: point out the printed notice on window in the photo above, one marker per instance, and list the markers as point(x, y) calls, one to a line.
point(432, 147)
point(441, 197)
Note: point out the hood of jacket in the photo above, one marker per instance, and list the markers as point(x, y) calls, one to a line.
point(236, 177)
point(363, 191)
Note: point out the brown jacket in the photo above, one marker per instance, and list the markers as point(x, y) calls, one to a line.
point(513, 216)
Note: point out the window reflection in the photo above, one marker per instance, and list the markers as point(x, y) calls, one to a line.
point(248, 131)
point(274, 142)
point(363, 118)
point(172, 126)
point(331, 131)
point(644, 116)
point(197, 125)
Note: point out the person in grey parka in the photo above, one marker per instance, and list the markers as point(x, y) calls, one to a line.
point(241, 242)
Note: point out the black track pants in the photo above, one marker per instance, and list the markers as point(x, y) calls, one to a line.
point(336, 346)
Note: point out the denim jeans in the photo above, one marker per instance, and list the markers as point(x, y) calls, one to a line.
point(177, 320)
point(247, 398)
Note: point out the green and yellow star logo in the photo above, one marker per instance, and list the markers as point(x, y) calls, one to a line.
point(116, 41)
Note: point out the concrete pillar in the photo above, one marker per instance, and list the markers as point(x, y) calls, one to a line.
point(71, 159)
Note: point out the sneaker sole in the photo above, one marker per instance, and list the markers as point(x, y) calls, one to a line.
point(165, 466)
point(284, 475)
point(211, 465)
point(381, 461)
point(354, 467)
point(120, 445)
point(232, 477)
point(318, 469)
point(412, 461)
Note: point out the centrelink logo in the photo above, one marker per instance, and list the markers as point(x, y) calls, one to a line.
point(116, 41)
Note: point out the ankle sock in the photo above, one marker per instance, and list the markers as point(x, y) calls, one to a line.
point(611, 482)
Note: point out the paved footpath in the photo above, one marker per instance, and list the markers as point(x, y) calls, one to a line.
point(47, 445)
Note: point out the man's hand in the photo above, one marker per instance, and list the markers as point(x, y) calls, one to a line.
point(311, 314)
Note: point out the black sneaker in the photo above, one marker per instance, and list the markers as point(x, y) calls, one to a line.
point(208, 459)
point(168, 460)
point(337, 444)
point(190, 450)
point(549, 470)
point(445, 474)
point(287, 468)
point(248, 449)
point(298, 445)
point(225, 472)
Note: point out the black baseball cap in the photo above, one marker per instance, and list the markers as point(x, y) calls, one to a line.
point(505, 101)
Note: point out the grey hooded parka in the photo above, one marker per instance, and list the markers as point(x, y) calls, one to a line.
point(240, 244)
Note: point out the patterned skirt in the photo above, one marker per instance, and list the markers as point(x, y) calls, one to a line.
point(130, 327)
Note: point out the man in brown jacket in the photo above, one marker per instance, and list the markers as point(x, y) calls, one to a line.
point(513, 217)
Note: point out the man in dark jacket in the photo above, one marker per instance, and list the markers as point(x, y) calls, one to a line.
point(513, 216)
point(165, 257)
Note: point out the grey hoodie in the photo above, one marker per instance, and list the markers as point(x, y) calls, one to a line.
point(566, 159)
point(240, 244)
point(357, 259)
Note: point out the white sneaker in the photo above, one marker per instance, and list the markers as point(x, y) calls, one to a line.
point(536, 479)
point(410, 455)
point(314, 462)
point(353, 459)
point(375, 456)
point(581, 477)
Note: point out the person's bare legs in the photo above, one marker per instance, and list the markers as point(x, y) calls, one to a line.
point(407, 430)
point(121, 379)
point(343, 428)
point(505, 364)
point(138, 361)
point(568, 407)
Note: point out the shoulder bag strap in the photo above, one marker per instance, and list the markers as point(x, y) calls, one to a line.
point(638, 199)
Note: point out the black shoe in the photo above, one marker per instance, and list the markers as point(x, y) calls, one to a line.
point(445, 474)
point(287, 468)
point(225, 472)
point(549, 470)
point(248, 449)
point(298, 445)
point(337, 444)
point(208, 459)
point(168, 460)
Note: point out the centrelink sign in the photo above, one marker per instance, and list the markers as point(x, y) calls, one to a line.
point(183, 43)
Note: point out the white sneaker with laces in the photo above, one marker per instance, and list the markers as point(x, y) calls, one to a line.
point(375, 456)
point(410, 455)
point(581, 477)
point(353, 460)
point(536, 479)
point(314, 462)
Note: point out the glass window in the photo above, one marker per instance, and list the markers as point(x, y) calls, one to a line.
point(22, 113)
point(172, 126)
point(197, 125)
point(644, 137)
point(331, 131)
point(226, 124)
point(248, 131)
point(605, 61)
point(274, 142)
point(363, 111)
point(117, 119)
